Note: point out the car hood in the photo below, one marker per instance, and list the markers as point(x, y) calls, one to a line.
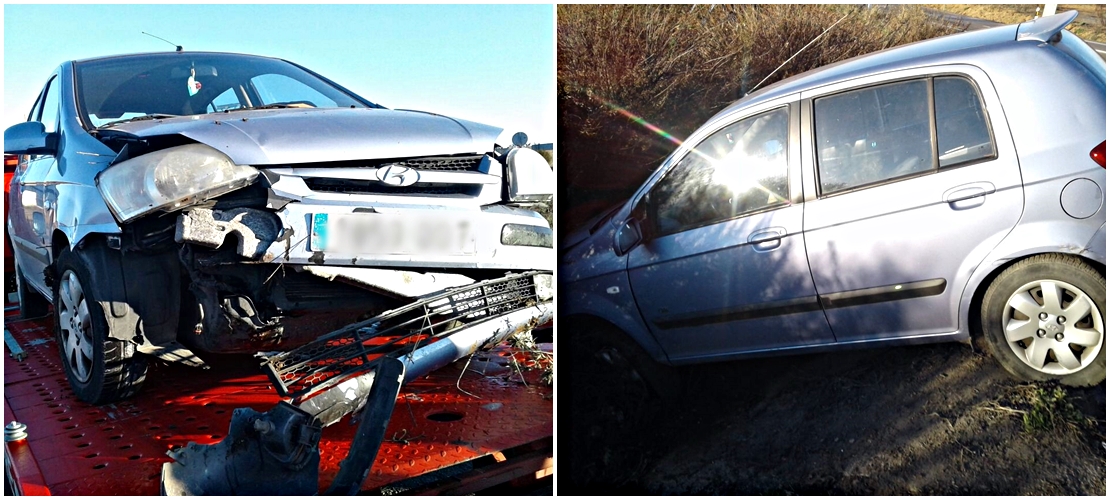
point(284, 136)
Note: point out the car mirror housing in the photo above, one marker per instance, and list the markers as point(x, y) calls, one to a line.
point(28, 138)
point(627, 237)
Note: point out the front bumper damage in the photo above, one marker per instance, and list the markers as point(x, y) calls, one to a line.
point(358, 367)
point(292, 235)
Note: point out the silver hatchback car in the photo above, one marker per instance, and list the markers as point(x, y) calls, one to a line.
point(185, 203)
point(925, 193)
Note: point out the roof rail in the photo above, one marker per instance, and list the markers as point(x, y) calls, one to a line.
point(1045, 28)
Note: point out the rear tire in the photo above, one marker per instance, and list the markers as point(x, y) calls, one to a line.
point(1044, 319)
point(31, 303)
point(100, 369)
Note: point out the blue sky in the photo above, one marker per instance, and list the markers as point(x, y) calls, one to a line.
point(491, 64)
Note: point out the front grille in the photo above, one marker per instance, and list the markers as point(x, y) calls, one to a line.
point(351, 186)
point(442, 164)
point(458, 163)
point(338, 355)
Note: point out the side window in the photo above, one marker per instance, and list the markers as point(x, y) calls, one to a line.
point(49, 117)
point(882, 133)
point(739, 169)
point(273, 88)
point(33, 116)
point(872, 135)
point(962, 132)
point(225, 101)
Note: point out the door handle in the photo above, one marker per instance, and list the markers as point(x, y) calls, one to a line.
point(767, 239)
point(968, 191)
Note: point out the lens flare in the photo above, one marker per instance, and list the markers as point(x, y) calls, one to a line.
point(640, 120)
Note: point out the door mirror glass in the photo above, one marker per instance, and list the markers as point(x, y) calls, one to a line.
point(628, 236)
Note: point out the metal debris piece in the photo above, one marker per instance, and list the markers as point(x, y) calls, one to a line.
point(272, 453)
point(13, 346)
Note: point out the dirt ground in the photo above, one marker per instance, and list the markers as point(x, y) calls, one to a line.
point(934, 419)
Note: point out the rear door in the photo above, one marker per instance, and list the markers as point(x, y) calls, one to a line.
point(916, 181)
point(726, 270)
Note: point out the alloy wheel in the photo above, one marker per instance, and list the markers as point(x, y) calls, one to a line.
point(76, 326)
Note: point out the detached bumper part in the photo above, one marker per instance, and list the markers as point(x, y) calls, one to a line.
point(343, 371)
point(255, 229)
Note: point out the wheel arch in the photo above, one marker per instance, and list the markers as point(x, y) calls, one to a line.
point(979, 290)
point(141, 300)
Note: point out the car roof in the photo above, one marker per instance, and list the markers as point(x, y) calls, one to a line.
point(934, 50)
point(166, 53)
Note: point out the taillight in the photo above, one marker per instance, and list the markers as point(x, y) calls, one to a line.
point(1099, 154)
point(10, 162)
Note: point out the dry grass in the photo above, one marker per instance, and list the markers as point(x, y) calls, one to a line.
point(1090, 25)
point(676, 65)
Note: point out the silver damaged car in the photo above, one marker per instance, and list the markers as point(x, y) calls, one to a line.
point(178, 204)
point(944, 190)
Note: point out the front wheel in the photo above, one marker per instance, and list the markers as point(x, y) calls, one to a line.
point(1044, 319)
point(100, 369)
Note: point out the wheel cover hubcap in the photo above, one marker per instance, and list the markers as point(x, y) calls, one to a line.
point(1053, 327)
point(76, 326)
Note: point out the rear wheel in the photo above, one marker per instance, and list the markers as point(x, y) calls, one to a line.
point(99, 368)
point(31, 303)
point(1044, 319)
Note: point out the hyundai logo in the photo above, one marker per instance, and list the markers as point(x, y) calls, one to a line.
point(397, 175)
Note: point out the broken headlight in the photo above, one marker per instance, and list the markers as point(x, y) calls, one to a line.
point(170, 179)
point(530, 177)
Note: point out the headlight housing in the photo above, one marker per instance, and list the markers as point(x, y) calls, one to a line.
point(530, 177)
point(170, 179)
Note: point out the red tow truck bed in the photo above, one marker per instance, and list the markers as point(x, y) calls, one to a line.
point(439, 440)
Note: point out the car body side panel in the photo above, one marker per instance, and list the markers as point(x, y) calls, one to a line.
point(1055, 137)
point(899, 233)
point(1076, 117)
point(593, 282)
point(75, 206)
point(711, 292)
point(708, 292)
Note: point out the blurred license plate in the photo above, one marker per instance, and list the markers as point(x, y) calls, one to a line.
point(358, 234)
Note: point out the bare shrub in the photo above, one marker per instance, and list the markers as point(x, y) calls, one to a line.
point(674, 66)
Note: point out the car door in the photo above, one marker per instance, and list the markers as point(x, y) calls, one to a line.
point(30, 199)
point(724, 269)
point(896, 228)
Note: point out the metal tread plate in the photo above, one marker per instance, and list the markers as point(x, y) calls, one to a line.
point(120, 448)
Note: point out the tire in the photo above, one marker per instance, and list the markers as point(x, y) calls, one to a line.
point(619, 396)
point(31, 303)
point(1054, 307)
point(100, 369)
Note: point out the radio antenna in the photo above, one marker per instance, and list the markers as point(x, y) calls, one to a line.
point(818, 37)
point(162, 39)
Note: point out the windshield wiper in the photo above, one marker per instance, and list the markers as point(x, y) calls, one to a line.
point(152, 116)
point(276, 105)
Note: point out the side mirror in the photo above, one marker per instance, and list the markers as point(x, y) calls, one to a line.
point(28, 138)
point(627, 237)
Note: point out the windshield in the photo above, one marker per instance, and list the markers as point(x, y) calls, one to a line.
point(180, 84)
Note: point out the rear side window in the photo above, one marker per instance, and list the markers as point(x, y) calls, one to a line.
point(962, 133)
point(883, 133)
point(740, 169)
